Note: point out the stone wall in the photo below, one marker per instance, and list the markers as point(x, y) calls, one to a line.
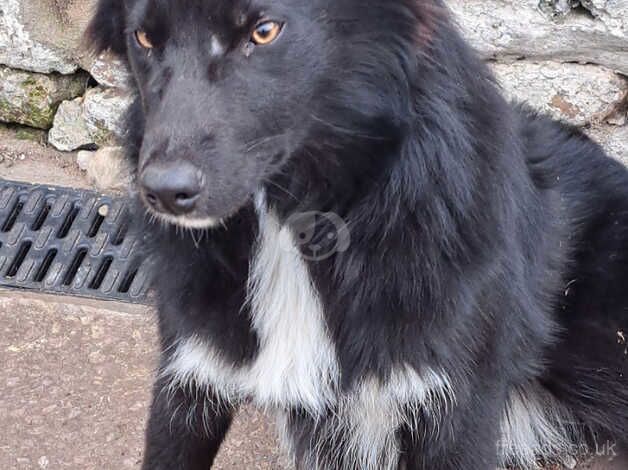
point(566, 57)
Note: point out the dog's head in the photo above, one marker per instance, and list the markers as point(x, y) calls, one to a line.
point(230, 90)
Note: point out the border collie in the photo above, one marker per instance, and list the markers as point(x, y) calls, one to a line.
point(353, 230)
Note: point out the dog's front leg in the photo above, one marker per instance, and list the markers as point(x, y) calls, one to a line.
point(185, 428)
point(465, 436)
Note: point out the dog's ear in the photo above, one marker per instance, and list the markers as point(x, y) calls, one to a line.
point(106, 30)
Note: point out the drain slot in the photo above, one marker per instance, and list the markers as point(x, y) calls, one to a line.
point(120, 234)
point(19, 259)
point(74, 266)
point(71, 242)
point(41, 217)
point(103, 269)
point(96, 223)
point(68, 222)
point(45, 265)
point(129, 277)
point(13, 215)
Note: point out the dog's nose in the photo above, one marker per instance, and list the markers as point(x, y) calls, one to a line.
point(173, 189)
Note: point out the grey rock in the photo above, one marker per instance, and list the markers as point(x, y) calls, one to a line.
point(46, 35)
point(513, 29)
point(579, 94)
point(103, 110)
point(69, 130)
point(83, 157)
point(95, 118)
point(614, 139)
point(32, 99)
point(110, 71)
point(43, 35)
point(593, 8)
point(557, 7)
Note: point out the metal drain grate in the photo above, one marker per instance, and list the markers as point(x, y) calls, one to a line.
point(69, 241)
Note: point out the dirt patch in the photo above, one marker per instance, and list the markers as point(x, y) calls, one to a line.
point(27, 158)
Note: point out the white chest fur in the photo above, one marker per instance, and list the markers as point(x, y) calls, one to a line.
point(296, 366)
point(296, 363)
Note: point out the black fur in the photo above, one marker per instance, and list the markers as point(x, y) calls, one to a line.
point(486, 240)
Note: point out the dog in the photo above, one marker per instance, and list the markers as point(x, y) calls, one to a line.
point(350, 228)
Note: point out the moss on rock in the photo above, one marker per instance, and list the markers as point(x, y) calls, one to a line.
point(32, 99)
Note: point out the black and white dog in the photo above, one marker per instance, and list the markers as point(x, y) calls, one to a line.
point(353, 230)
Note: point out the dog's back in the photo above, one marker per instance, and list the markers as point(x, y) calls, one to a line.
point(588, 364)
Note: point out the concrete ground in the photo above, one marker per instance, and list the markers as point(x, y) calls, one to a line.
point(74, 388)
point(75, 375)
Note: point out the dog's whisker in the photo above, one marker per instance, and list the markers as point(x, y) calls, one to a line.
point(250, 146)
point(345, 130)
point(281, 188)
point(197, 241)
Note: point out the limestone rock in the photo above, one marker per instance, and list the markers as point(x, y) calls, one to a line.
point(32, 99)
point(557, 7)
point(46, 35)
point(110, 71)
point(103, 111)
point(614, 140)
point(69, 131)
point(83, 157)
point(43, 35)
point(95, 118)
point(579, 94)
point(595, 32)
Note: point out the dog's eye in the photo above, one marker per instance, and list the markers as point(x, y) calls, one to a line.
point(266, 32)
point(142, 39)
